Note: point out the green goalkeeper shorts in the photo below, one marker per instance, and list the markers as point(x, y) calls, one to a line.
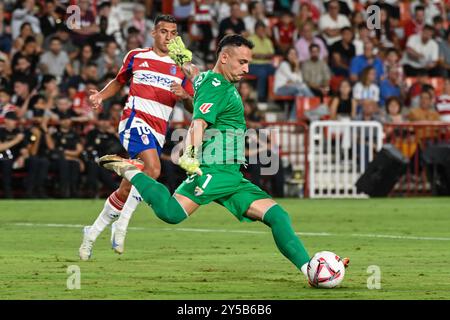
point(225, 185)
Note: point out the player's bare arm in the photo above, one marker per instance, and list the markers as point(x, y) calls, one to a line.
point(178, 90)
point(110, 90)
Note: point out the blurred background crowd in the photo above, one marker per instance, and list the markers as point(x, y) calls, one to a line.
point(331, 52)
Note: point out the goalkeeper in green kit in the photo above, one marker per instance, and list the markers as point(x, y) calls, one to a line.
point(214, 152)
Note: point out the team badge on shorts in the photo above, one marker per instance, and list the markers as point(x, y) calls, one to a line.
point(173, 70)
point(144, 139)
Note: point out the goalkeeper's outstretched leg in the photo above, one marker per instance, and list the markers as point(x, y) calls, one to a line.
point(172, 209)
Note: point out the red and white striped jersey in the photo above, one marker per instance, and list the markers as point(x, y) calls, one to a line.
point(443, 107)
point(150, 102)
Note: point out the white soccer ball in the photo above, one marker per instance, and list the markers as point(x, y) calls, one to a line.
point(325, 270)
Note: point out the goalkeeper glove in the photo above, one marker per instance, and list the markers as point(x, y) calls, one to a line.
point(189, 162)
point(178, 52)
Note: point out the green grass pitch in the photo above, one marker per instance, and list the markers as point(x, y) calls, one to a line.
point(213, 256)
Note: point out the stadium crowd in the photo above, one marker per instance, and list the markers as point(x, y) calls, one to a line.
point(50, 135)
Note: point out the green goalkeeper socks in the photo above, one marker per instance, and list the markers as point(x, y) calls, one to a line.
point(285, 238)
point(166, 207)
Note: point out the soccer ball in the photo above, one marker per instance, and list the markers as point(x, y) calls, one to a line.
point(325, 270)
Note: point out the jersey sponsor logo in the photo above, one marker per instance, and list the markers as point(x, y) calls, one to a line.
point(204, 108)
point(216, 82)
point(144, 64)
point(152, 79)
point(173, 70)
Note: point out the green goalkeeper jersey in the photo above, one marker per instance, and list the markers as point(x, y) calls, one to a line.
point(218, 102)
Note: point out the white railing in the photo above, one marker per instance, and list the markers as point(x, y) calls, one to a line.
point(339, 152)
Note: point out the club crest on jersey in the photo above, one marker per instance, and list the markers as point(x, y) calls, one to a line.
point(173, 70)
point(204, 108)
point(144, 139)
point(216, 82)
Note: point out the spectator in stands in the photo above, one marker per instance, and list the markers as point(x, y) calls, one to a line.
point(368, 59)
point(25, 14)
point(4, 73)
point(115, 113)
point(203, 21)
point(5, 35)
point(11, 139)
point(393, 111)
point(341, 53)
point(140, 23)
point(444, 54)
point(284, 32)
point(62, 33)
point(261, 65)
point(66, 147)
point(116, 21)
point(63, 107)
point(370, 112)
point(246, 91)
point(50, 19)
point(49, 89)
point(100, 141)
point(366, 90)
point(5, 103)
point(307, 38)
point(37, 164)
point(362, 36)
point(109, 61)
point(431, 10)
point(257, 12)
point(443, 102)
point(31, 51)
point(417, 23)
point(425, 111)
point(289, 80)
point(316, 73)
point(422, 52)
point(101, 38)
point(414, 91)
point(39, 108)
point(253, 116)
point(392, 61)
point(234, 23)
point(77, 83)
point(391, 86)
point(86, 56)
point(87, 26)
point(21, 96)
point(303, 16)
point(385, 36)
point(332, 22)
point(439, 29)
point(343, 105)
point(55, 61)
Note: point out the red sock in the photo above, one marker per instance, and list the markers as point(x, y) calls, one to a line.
point(115, 201)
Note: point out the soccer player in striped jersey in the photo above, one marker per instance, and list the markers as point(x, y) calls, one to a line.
point(156, 84)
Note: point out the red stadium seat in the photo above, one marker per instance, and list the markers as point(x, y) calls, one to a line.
point(304, 104)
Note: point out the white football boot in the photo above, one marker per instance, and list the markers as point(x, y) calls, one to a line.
point(118, 238)
point(86, 245)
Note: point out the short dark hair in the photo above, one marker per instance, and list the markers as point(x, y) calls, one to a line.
point(419, 8)
point(314, 45)
point(164, 18)
point(53, 38)
point(392, 99)
point(235, 40)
